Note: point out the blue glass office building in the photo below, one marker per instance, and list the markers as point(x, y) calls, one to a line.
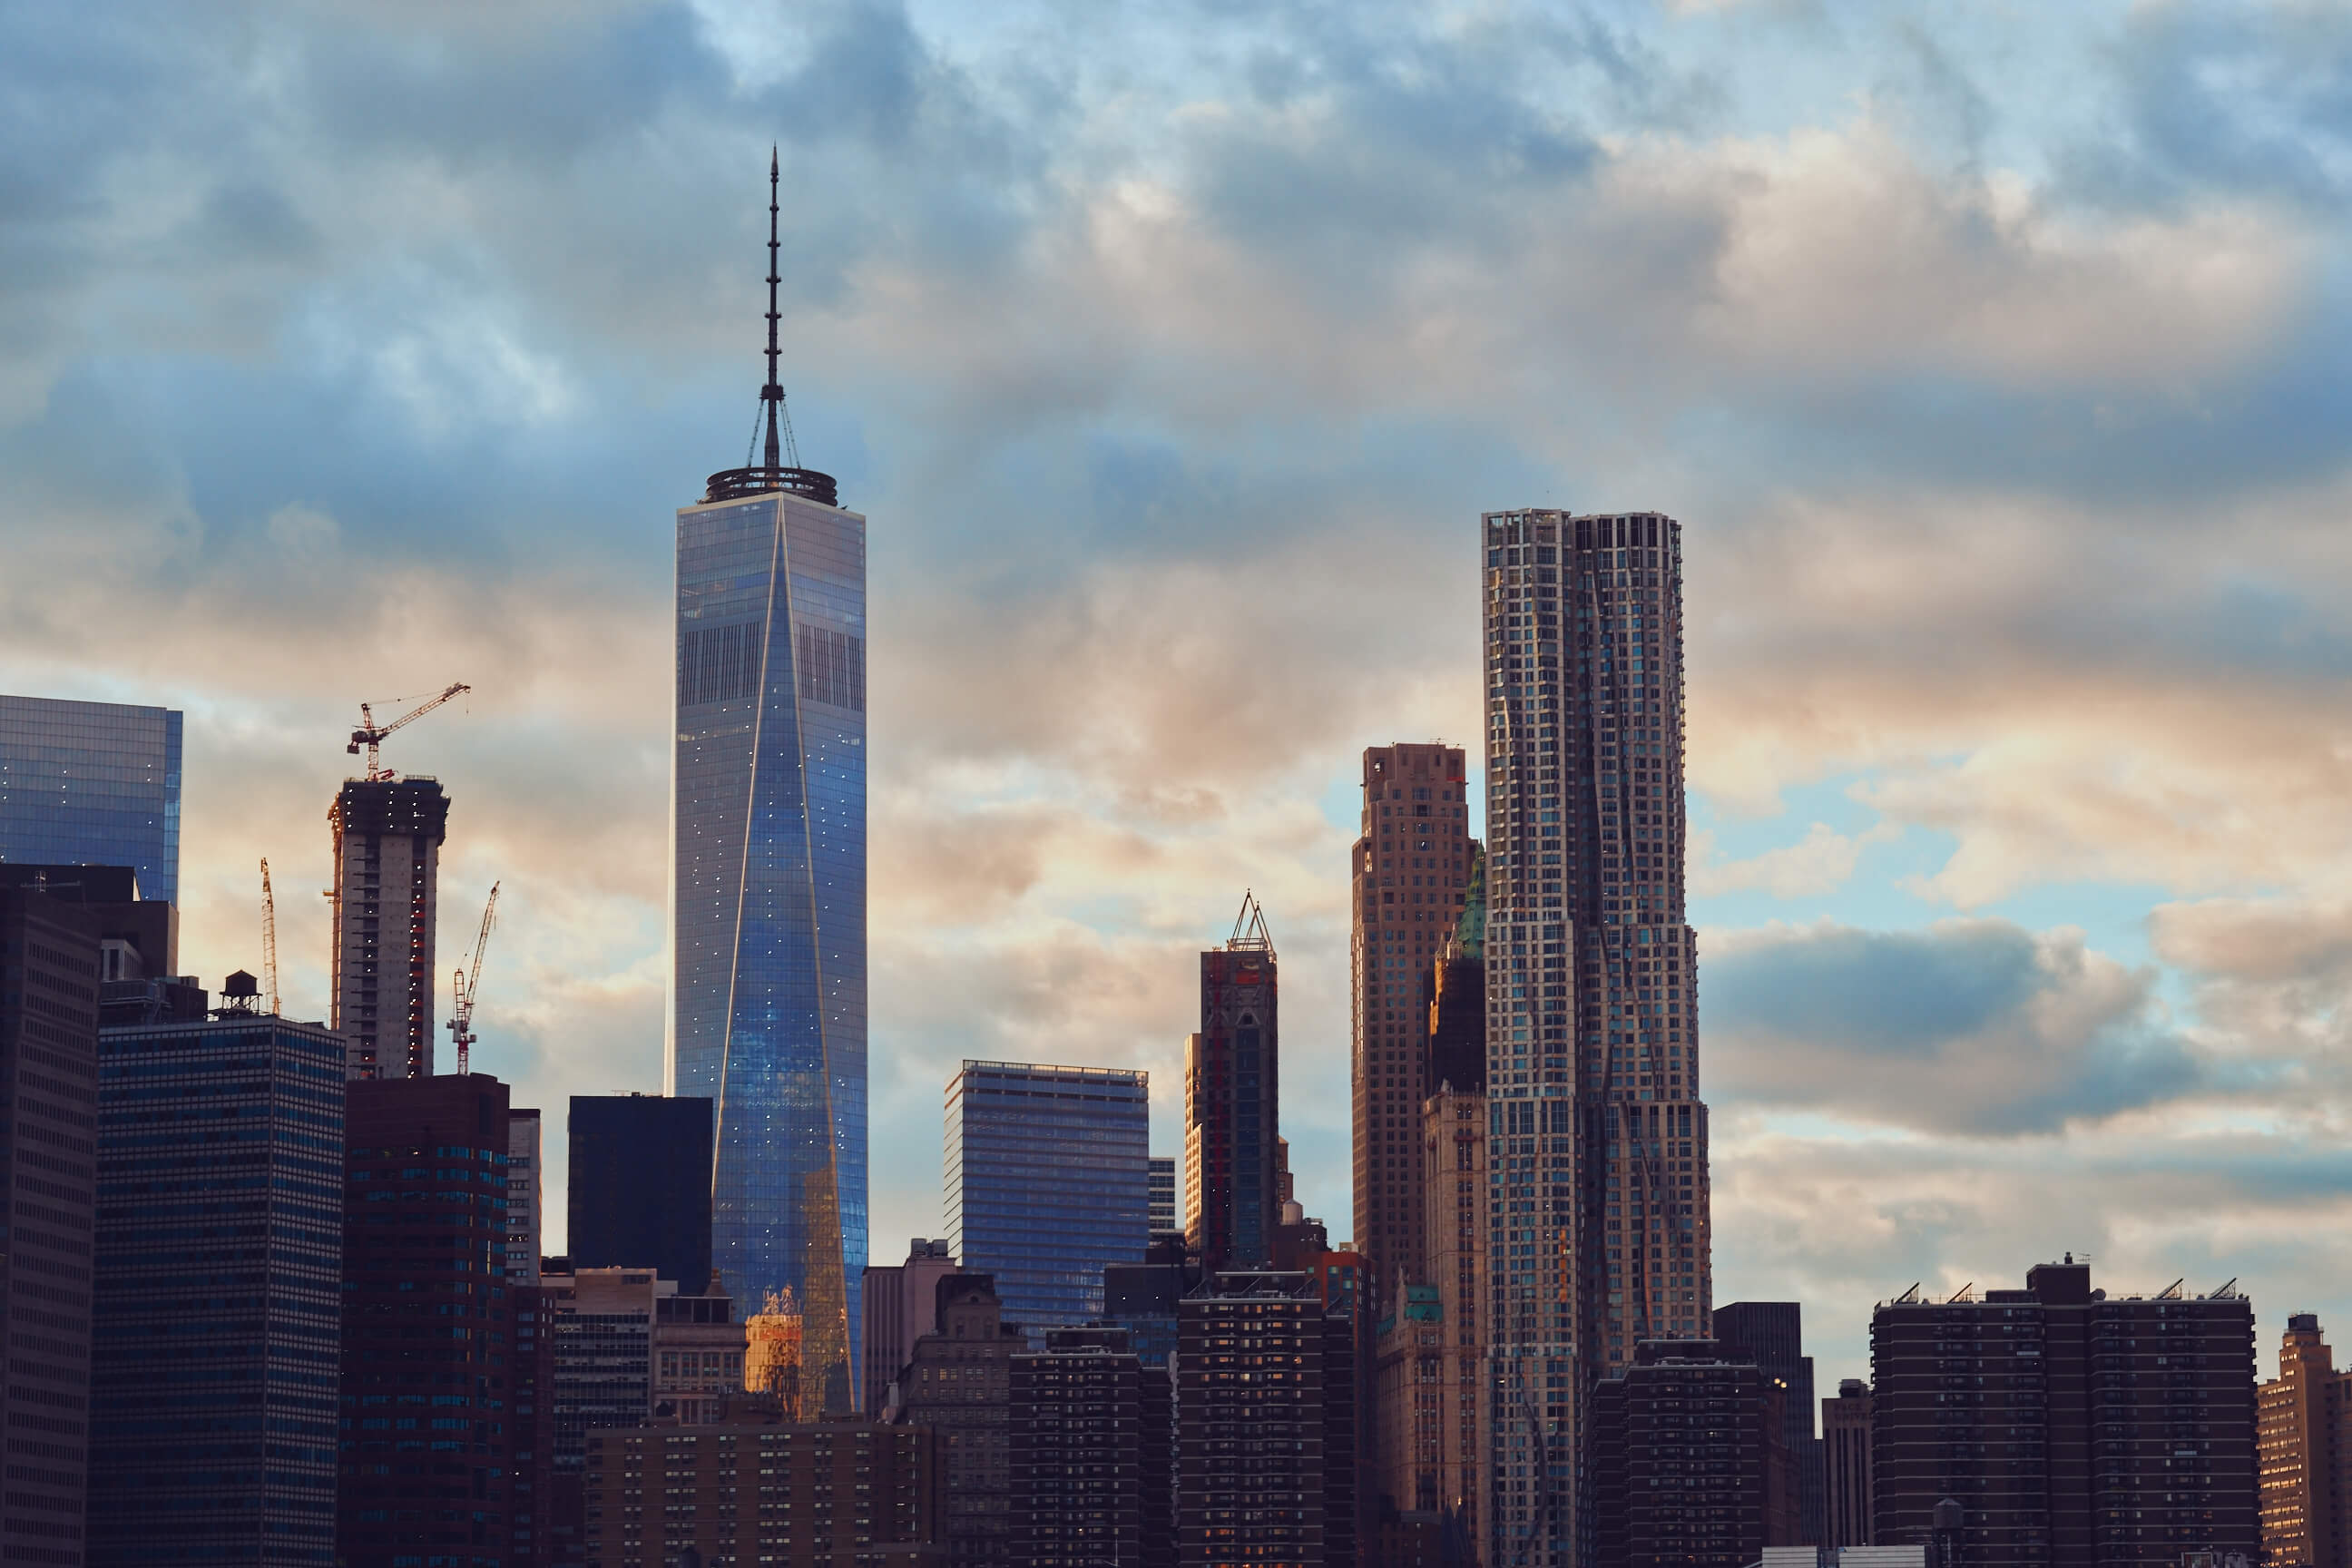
point(92, 784)
point(218, 1288)
point(767, 894)
point(1048, 1181)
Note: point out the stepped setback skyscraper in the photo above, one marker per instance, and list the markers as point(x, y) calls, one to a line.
point(768, 879)
point(1412, 876)
point(1598, 1234)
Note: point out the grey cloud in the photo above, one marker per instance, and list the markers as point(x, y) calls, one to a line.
point(2247, 99)
point(1975, 1026)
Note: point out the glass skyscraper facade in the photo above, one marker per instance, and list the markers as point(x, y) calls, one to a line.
point(768, 900)
point(218, 1289)
point(1048, 1180)
point(92, 784)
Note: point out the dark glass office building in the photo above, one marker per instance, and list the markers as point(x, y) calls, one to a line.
point(217, 1276)
point(639, 1192)
point(438, 1461)
point(1048, 1181)
point(1772, 1335)
point(92, 782)
point(49, 1071)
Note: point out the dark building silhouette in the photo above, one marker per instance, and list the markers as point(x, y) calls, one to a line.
point(434, 1442)
point(755, 1488)
point(2070, 1426)
point(1266, 1423)
point(959, 1381)
point(1233, 1193)
point(49, 1071)
point(1845, 1466)
point(1141, 1298)
point(1772, 1335)
point(1686, 1461)
point(1090, 1433)
point(213, 1417)
point(639, 1192)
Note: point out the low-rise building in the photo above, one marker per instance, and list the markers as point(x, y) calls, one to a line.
point(749, 1490)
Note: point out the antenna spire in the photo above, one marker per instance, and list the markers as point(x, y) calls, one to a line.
point(773, 394)
point(782, 469)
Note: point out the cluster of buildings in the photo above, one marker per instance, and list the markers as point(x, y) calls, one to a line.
point(277, 1292)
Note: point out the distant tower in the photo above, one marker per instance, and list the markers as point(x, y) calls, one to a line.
point(768, 879)
point(1412, 866)
point(1232, 1078)
point(387, 837)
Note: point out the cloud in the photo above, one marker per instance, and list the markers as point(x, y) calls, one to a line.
point(1974, 1026)
point(1821, 863)
point(355, 348)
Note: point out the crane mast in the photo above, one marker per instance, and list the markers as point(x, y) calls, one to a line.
point(369, 734)
point(461, 1015)
point(270, 936)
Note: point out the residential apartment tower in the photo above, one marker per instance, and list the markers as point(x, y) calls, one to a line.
point(1597, 1199)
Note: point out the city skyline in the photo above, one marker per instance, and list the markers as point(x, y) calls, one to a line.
point(2003, 432)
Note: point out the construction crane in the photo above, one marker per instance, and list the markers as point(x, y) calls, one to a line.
point(371, 734)
point(269, 936)
point(461, 1017)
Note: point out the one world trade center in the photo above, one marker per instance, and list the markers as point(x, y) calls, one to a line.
point(768, 879)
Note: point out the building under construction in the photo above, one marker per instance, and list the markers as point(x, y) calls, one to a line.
point(388, 835)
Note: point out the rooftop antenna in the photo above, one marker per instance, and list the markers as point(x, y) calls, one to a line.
point(1249, 927)
point(780, 468)
point(773, 394)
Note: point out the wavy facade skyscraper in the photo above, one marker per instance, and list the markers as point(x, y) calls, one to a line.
point(768, 879)
point(1596, 1181)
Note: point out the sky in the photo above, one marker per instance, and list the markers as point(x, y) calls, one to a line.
point(1993, 358)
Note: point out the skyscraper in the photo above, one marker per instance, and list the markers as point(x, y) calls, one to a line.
point(638, 1194)
point(1598, 1190)
point(1772, 1335)
point(1047, 1182)
point(1233, 1199)
point(1845, 1466)
point(213, 1419)
point(387, 836)
point(2306, 1452)
point(92, 784)
point(1412, 876)
point(437, 1459)
point(768, 878)
point(49, 1071)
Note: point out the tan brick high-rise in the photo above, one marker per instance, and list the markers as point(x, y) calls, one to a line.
point(2304, 1453)
point(1412, 872)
